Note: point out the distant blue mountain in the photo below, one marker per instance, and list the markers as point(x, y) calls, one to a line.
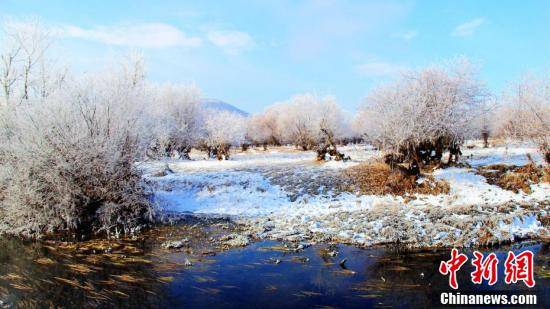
point(220, 105)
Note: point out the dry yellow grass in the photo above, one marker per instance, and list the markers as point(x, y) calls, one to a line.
point(379, 179)
point(515, 178)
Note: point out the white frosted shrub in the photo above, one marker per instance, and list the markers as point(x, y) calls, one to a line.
point(263, 129)
point(308, 119)
point(223, 129)
point(175, 119)
point(525, 113)
point(425, 112)
point(68, 162)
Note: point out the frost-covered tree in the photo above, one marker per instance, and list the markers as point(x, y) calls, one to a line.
point(26, 71)
point(223, 129)
point(310, 121)
point(67, 161)
point(263, 129)
point(358, 125)
point(256, 131)
point(525, 113)
point(425, 112)
point(297, 121)
point(333, 126)
point(306, 120)
point(176, 120)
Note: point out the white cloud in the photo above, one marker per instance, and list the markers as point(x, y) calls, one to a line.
point(376, 68)
point(157, 35)
point(147, 35)
point(468, 28)
point(407, 35)
point(231, 41)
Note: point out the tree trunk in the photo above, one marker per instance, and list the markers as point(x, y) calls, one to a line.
point(485, 136)
point(454, 151)
point(222, 152)
point(184, 153)
point(414, 168)
point(329, 147)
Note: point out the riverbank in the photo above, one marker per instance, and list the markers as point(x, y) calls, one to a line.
point(282, 194)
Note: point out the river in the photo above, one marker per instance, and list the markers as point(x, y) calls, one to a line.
point(141, 273)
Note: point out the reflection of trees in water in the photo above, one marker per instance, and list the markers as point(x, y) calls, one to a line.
point(32, 275)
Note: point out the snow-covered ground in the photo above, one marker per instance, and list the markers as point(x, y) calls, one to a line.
point(285, 194)
point(514, 154)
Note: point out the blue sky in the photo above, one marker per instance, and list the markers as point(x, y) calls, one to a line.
point(254, 53)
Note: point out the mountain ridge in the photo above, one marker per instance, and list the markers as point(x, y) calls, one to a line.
point(221, 105)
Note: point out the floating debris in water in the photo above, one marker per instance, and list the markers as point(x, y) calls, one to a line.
point(166, 279)
point(45, 261)
point(188, 263)
point(235, 240)
point(300, 259)
point(175, 244)
point(343, 263)
point(308, 294)
point(127, 278)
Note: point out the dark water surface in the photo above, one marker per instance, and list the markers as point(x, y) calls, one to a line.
point(265, 275)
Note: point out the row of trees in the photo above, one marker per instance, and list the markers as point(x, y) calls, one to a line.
point(309, 121)
point(414, 119)
point(68, 144)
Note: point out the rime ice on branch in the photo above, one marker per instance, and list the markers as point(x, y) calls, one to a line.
point(424, 113)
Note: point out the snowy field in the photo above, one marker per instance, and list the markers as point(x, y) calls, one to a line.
point(285, 194)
